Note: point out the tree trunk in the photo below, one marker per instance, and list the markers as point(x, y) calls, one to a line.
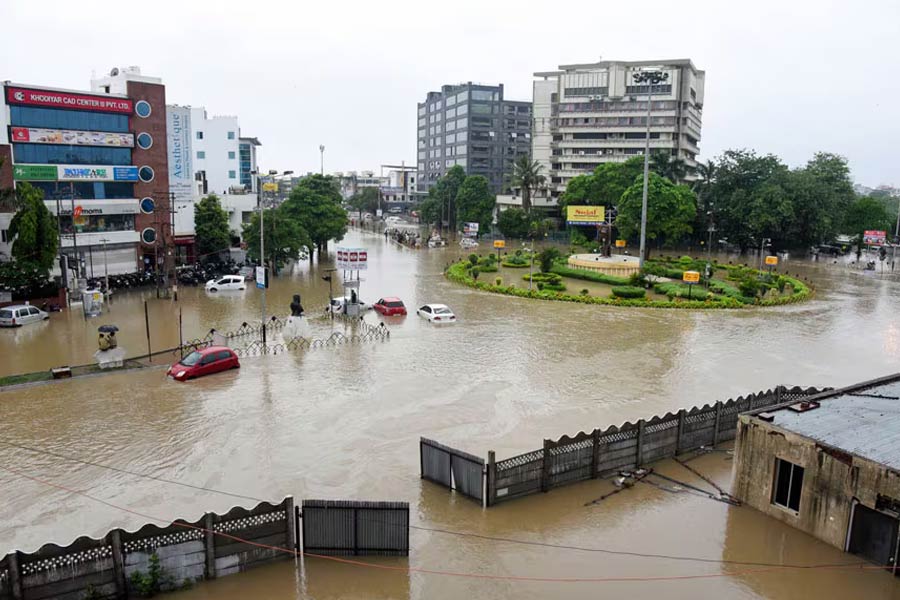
point(526, 200)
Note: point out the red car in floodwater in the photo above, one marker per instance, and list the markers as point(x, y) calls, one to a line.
point(390, 306)
point(204, 362)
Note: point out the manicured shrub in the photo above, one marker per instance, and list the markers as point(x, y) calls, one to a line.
point(626, 291)
point(473, 258)
point(498, 281)
point(586, 275)
point(749, 286)
point(475, 273)
point(585, 292)
point(555, 287)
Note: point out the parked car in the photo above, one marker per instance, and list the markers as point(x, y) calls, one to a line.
point(468, 243)
point(337, 305)
point(226, 282)
point(204, 362)
point(395, 210)
point(390, 306)
point(21, 314)
point(437, 313)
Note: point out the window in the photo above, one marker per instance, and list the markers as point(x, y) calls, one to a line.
point(451, 125)
point(462, 136)
point(143, 109)
point(788, 485)
point(230, 135)
point(422, 122)
point(450, 113)
point(199, 135)
point(144, 140)
point(232, 175)
point(97, 223)
point(71, 155)
point(201, 154)
point(481, 109)
point(89, 190)
point(449, 139)
point(643, 89)
point(462, 123)
point(30, 116)
point(462, 96)
point(585, 91)
point(231, 155)
point(460, 150)
point(146, 174)
point(462, 109)
point(451, 100)
point(4, 236)
point(482, 95)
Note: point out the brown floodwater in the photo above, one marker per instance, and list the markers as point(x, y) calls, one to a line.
point(344, 423)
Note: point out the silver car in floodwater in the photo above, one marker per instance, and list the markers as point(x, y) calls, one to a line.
point(21, 314)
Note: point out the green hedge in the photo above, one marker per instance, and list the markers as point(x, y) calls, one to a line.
point(459, 273)
point(515, 265)
point(628, 291)
point(585, 275)
point(543, 278)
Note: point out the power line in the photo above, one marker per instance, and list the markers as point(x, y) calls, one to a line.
point(485, 537)
point(406, 569)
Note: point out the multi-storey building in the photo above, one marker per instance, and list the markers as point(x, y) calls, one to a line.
point(473, 126)
point(588, 114)
point(247, 155)
point(100, 160)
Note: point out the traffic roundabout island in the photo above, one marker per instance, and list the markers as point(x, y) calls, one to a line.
point(665, 281)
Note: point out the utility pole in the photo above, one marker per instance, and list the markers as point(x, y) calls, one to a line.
point(322, 159)
point(106, 267)
point(650, 77)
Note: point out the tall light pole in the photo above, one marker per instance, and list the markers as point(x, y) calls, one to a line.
point(262, 248)
point(651, 77)
point(105, 266)
point(322, 159)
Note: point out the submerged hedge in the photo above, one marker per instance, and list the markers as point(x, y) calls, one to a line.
point(459, 273)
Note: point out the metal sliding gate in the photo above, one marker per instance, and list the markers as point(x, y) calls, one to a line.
point(354, 528)
point(452, 468)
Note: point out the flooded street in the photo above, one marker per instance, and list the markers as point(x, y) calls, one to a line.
point(344, 423)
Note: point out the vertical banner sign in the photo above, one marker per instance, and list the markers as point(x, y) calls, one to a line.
point(260, 277)
point(178, 136)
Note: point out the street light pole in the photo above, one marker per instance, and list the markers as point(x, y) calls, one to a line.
point(322, 159)
point(105, 265)
point(651, 78)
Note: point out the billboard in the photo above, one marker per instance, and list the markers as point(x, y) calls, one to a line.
point(34, 135)
point(470, 230)
point(51, 99)
point(585, 215)
point(352, 259)
point(95, 173)
point(874, 237)
point(178, 138)
point(35, 172)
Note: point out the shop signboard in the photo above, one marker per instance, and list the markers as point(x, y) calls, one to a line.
point(35, 172)
point(35, 135)
point(585, 215)
point(96, 173)
point(470, 230)
point(51, 99)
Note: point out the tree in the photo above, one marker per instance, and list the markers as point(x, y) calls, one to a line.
point(670, 210)
point(822, 193)
point(527, 177)
point(605, 186)
point(430, 209)
point(475, 202)
point(33, 229)
point(365, 200)
point(546, 259)
point(664, 165)
point(211, 231)
point(445, 191)
point(706, 175)
point(284, 237)
point(867, 213)
point(315, 205)
point(513, 222)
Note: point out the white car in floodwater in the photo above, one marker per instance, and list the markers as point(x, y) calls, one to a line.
point(225, 283)
point(21, 314)
point(437, 313)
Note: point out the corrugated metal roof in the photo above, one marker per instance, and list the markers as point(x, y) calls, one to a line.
point(865, 423)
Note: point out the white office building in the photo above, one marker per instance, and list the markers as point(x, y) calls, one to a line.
point(588, 114)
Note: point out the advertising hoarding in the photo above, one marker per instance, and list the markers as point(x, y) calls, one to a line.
point(96, 173)
point(585, 215)
point(470, 229)
point(178, 138)
point(35, 135)
point(874, 237)
point(51, 99)
point(35, 172)
point(352, 259)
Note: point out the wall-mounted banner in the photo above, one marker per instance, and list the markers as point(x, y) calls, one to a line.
point(32, 135)
point(95, 173)
point(352, 259)
point(49, 99)
point(585, 215)
point(35, 172)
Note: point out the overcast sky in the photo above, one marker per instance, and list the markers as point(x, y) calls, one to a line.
point(789, 77)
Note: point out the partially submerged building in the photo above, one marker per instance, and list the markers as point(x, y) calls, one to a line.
point(830, 466)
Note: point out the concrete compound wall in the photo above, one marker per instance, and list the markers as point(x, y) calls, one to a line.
point(831, 479)
point(187, 552)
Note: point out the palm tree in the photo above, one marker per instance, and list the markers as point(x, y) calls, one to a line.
point(527, 176)
point(664, 165)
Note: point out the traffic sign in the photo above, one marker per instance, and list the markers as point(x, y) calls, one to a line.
point(771, 260)
point(691, 276)
point(620, 243)
point(499, 243)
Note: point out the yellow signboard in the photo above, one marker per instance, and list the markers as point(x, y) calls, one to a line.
point(772, 260)
point(270, 187)
point(585, 215)
point(499, 243)
point(620, 243)
point(691, 276)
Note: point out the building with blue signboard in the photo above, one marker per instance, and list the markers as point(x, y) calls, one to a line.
point(100, 160)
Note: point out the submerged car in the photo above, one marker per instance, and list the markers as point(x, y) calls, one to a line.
point(21, 314)
point(204, 362)
point(390, 306)
point(437, 313)
point(226, 282)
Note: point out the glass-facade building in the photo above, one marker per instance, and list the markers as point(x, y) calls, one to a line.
point(473, 126)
